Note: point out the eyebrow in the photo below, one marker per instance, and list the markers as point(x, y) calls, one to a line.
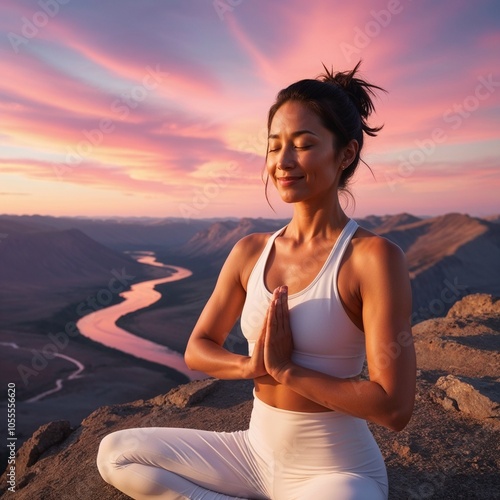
point(294, 134)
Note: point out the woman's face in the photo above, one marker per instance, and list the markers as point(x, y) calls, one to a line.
point(301, 159)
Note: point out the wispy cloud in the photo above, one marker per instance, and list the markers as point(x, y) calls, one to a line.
point(155, 99)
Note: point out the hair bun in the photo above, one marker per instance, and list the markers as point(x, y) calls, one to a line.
point(358, 90)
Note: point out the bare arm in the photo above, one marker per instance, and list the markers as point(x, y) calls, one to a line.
point(387, 397)
point(204, 351)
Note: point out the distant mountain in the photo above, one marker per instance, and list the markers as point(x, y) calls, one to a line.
point(449, 256)
point(49, 259)
point(428, 241)
point(21, 225)
point(386, 222)
point(217, 240)
point(454, 255)
point(493, 218)
point(119, 234)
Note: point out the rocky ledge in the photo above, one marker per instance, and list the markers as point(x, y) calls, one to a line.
point(449, 450)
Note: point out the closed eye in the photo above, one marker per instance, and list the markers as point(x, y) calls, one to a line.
point(301, 148)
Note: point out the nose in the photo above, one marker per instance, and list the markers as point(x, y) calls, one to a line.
point(286, 160)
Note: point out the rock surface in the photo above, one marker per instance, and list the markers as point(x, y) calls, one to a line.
point(460, 354)
point(44, 438)
point(456, 392)
point(449, 450)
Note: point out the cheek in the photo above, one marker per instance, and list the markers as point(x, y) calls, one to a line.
point(330, 166)
point(270, 168)
point(320, 164)
point(323, 171)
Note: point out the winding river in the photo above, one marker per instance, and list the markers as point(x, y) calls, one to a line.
point(101, 327)
point(60, 381)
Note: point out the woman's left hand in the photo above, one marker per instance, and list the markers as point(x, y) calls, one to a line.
point(278, 345)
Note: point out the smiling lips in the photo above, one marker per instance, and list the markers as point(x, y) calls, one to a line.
point(289, 180)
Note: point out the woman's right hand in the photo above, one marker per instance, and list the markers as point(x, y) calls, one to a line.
point(255, 366)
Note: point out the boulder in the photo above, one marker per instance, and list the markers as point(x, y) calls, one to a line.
point(43, 439)
point(458, 394)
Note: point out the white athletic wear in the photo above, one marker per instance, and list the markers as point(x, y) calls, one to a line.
point(324, 337)
point(284, 455)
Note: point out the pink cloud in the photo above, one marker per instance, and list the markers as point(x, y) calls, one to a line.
point(432, 188)
point(216, 80)
point(30, 79)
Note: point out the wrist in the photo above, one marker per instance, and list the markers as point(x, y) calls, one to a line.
point(245, 367)
point(283, 373)
point(248, 369)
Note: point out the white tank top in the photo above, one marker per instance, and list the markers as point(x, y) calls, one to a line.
point(324, 337)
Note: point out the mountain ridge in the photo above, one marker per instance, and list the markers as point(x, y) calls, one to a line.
point(59, 257)
point(448, 256)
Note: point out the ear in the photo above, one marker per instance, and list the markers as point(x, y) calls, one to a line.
point(349, 153)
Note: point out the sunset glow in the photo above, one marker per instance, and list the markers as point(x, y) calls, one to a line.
point(159, 108)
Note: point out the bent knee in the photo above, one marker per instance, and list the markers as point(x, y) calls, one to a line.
point(110, 450)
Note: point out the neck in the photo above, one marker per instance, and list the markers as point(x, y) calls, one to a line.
point(319, 219)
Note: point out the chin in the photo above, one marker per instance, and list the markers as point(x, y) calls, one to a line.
point(290, 199)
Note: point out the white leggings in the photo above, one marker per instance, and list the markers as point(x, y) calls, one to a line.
point(284, 455)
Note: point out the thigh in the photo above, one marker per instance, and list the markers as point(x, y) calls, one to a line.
point(338, 486)
point(218, 461)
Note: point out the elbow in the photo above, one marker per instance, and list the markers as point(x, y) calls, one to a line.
point(398, 423)
point(399, 419)
point(189, 357)
point(188, 361)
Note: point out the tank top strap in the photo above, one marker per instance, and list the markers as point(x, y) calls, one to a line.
point(345, 237)
point(341, 245)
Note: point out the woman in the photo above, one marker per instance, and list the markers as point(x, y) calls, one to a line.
point(314, 299)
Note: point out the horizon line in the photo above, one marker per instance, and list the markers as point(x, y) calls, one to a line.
point(159, 217)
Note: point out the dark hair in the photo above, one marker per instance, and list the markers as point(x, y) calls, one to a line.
point(343, 103)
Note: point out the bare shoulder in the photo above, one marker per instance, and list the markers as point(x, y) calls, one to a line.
point(252, 243)
point(245, 254)
point(370, 249)
point(382, 271)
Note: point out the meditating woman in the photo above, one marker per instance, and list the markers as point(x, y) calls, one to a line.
point(316, 299)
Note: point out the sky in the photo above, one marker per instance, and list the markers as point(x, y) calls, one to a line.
point(149, 108)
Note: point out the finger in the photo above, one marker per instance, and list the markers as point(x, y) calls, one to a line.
point(286, 312)
point(285, 296)
point(283, 305)
point(277, 293)
point(264, 328)
point(273, 306)
point(279, 310)
point(271, 320)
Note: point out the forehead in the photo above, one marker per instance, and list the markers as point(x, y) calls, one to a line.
point(292, 116)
